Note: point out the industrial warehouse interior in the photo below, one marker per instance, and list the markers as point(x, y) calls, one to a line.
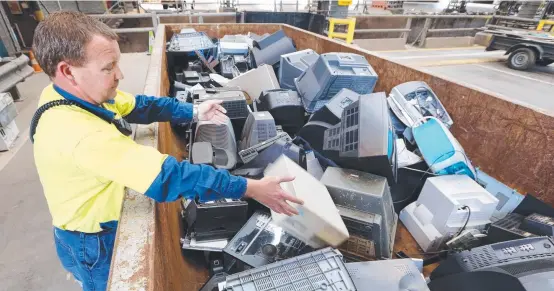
point(415, 134)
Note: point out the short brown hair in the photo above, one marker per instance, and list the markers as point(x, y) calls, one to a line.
point(63, 36)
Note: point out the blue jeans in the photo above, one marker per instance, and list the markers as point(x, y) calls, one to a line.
point(87, 255)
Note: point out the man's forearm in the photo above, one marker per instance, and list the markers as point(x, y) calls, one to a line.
point(182, 179)
point(150, 109)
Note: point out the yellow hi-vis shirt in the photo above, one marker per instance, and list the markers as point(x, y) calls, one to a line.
point(72, 163)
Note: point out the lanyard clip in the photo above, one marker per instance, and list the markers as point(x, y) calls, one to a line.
point(123, 126)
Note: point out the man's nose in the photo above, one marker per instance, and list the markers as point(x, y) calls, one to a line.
point(118, 74)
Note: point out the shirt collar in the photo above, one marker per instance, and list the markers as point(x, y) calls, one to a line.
point(96, 110)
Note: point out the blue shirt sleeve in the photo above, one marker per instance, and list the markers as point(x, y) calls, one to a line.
point(150, 109)
point(182, 179)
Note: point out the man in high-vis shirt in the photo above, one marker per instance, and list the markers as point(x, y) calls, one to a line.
point(84, 155)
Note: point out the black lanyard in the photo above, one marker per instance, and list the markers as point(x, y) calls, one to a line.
point(121, 124)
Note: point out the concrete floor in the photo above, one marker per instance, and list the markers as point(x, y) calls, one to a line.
point(28, 258)
point(486, 71)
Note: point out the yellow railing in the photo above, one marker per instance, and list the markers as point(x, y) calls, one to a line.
point(349, 35)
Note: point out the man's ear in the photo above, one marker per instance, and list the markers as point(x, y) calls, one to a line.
point(65, 71)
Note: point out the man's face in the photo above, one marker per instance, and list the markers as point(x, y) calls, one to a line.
point(99, 77)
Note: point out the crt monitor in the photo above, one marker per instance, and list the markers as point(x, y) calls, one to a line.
point(204, 153)
point(366, 193)
point(220, 136)
point(293, 65)
point(364, 140)
point(331, 73)
point(268, 50)
point(313, 133)
point(331, 113)
point(285, 107)
point(324, 118)
point(259, 126)
point(319, 223)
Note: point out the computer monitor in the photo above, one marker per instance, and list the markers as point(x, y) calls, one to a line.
point(220, 136)
point(366, 193)
point(530, 260)
point(413, 100)
point(259, 126)
point(320, 223)
point(204, 153)
point(443, 208)
point(331, 113)
point(233, 101)
point(285, 107)
point(364, 140)
point(293, 65)
point(331, 73)
point(313, 133)
point(268, 50)
point(440, 149)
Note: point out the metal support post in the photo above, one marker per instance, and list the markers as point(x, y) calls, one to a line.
point(407, 33)
point(155, 21)
point(426, 26)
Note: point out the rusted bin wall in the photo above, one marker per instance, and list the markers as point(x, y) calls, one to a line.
point(508, 141)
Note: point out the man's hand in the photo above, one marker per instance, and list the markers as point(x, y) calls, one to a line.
point(211, 110)
point(268, 191)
